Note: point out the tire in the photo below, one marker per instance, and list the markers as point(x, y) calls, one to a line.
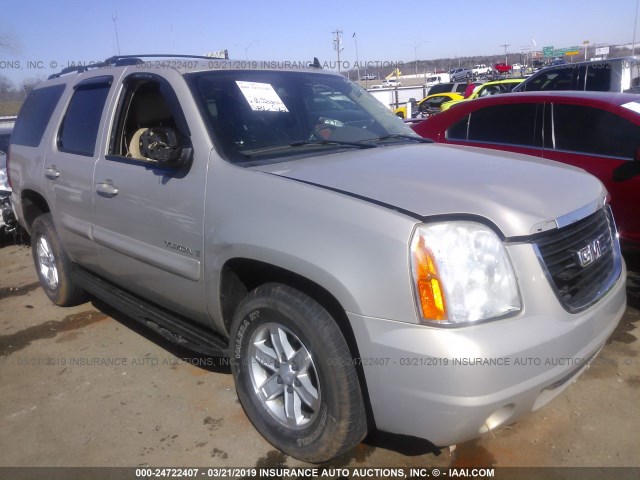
point(52, 264)
point(315, 411)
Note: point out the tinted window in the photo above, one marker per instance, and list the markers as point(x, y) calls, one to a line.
point(442, 88)
point(4, 142)
point(591, 130)
point(459, 130)
point(35, 114)
point(510, 124)
point(560, 78)
point(79, 128)
point(598, 77)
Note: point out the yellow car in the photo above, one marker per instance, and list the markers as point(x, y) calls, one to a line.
point(428, 105)
point(486, 89)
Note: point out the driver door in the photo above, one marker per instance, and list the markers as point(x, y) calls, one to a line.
point(148, 220)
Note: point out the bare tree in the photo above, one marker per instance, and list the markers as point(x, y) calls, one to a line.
point(6, 86)
point(29, 84)
point(9, 44)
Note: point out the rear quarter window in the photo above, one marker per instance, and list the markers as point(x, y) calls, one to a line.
point(35, 115)
point(79, 129)
point(594, 131)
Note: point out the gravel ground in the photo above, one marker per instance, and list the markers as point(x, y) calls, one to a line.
point(86, 386)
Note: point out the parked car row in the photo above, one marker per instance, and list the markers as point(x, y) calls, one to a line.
point(487, 89)
point(429, 105)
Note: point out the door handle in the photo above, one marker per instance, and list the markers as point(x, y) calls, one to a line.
point(51, 172)
point(106, 190)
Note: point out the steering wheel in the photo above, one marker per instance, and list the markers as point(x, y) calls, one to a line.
point(325, 127)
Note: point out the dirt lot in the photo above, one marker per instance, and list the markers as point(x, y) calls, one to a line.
point(85, 386)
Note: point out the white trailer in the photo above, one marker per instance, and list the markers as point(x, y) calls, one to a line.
point(393, 97)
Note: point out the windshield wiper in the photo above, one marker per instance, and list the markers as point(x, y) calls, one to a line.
point(332, 142)
point(303, 143)
point(399, 135)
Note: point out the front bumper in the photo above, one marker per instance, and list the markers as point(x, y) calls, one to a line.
point(449, 385)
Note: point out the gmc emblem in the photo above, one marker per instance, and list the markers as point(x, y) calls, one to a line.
point(592, 252)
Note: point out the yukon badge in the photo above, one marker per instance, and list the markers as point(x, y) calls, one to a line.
point(181, 248)
point(592, 252)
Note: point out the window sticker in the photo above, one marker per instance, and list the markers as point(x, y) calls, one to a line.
point(261, 97)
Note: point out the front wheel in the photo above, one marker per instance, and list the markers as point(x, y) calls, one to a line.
point(294, 374)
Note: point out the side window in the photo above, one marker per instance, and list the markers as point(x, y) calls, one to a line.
point(5, 139)
point(598, 77)
point(145, 120)
point(458, 131)
point(35, 114)
point(508, 124)
point(79, 130)
point(560, 78)
point(590, 130)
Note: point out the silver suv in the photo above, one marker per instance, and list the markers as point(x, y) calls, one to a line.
point(356, 275)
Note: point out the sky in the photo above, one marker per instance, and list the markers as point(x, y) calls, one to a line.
point(38, 35)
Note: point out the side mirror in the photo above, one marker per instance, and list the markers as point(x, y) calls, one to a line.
point(161, 145)
point(628, 169)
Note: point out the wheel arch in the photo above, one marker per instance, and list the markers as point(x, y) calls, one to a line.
point(242, 275)
point(33, 205)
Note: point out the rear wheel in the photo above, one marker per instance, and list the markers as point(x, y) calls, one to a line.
point(52, 264)
point(294, 374)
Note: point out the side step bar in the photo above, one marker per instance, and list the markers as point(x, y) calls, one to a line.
point(173, 327)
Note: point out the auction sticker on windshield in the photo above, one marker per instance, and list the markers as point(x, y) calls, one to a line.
point(261, 97)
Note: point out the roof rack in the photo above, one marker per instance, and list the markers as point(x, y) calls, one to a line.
point(123, 60)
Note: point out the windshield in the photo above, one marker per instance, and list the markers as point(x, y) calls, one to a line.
point(259, 115)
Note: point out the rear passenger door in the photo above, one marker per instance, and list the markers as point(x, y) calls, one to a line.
point(148, 220)
point(514, 127)
point(600, 142)
point(69, 165)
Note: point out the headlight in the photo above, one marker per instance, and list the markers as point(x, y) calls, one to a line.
point(462, 274)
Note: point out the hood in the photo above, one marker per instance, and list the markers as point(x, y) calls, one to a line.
point(517, 193)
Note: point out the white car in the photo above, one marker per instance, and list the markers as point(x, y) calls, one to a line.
point(391, 83)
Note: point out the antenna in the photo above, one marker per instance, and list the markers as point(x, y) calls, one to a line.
point(114, 17)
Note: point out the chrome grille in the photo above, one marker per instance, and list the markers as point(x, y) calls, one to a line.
point(582, 260)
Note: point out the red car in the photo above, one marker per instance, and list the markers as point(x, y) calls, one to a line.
point(596, 131)
point(502, 68)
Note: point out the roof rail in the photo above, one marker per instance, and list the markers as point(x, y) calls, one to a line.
point(121, 61)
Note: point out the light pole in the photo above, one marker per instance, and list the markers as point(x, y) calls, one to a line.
point(505, 45)
point(246, 49)
point(337, 44)
point(355, 39)
point(635, 23)
point(415, 53)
